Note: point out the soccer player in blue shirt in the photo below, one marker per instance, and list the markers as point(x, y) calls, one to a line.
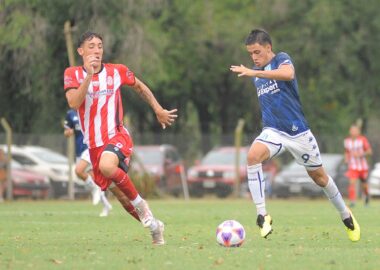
point(284, 128)
point(83, 162)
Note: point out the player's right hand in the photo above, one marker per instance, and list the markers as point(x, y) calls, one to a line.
point(90, 62)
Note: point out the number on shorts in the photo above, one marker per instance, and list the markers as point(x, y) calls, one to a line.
point(305, 158)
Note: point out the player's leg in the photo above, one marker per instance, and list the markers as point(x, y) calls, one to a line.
point(81, 170)
point(364, 184)
point(264, 147)
point(114, 165)
point(352, 176)
point(125, 202)
point(330, 189)
point(352, 191)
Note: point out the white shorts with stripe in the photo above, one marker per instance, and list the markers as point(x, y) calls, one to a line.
point(303, 147)
point(84, 156)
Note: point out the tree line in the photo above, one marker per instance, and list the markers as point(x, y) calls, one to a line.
point(183, 50)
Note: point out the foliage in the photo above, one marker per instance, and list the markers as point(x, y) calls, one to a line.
point(183, 50)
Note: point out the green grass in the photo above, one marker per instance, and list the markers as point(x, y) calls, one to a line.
point(70, 235)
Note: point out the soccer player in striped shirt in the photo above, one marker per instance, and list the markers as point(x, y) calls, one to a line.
point(94, 91)
point(284, 128)
point(357, 149)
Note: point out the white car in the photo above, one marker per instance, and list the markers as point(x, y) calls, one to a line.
point(374, 181)
point(50, 163)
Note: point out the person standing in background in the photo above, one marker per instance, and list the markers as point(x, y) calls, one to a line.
point(356, 151)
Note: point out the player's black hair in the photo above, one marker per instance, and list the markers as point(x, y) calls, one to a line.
point(88, 35)
point(258, 36)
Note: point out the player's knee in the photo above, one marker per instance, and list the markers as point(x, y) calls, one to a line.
point(253, 159)
point(80, 173)
point(107, 167)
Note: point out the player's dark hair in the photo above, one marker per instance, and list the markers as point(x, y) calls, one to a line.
point(88, 35)
point(258, 36)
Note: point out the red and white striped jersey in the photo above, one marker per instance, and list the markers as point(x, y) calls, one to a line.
point(357, 146)
point(101, 113)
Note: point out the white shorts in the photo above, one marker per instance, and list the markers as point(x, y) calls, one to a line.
point(303, 147)
point(85, 156)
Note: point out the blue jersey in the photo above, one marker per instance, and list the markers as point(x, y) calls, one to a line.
point(279, 101)
point(72, 121)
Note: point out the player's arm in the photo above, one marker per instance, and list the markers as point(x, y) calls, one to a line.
point(367, 149)
point(165, 117)
point(75, 97)
point(284, 72)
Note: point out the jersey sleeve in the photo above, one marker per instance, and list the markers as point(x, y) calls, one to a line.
point(70, 80)
point(366, 144)
point(284, 59)
point(126, 75)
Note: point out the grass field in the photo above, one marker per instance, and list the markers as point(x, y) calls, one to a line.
point(70, 235)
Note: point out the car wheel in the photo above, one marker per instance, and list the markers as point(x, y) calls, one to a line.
point(196, 192)
point(223, 192)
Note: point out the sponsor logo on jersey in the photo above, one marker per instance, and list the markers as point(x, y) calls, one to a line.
point(97, 94)
point(294, 128)
point(270, 87)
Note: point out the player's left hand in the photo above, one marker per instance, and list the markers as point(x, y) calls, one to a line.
point(242, 70)
point(166, 118)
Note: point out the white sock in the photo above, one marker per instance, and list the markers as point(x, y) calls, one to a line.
point(136, 201)
point(104, 200)
point(332, 192)
point(153, 225)
point(256, 184)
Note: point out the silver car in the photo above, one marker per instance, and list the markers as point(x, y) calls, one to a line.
point(293, 180)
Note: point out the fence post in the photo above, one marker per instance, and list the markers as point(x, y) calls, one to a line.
point(8, 131)
point(70, 140)
point(238, 138)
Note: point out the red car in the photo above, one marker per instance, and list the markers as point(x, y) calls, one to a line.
point(163, 163)
point(216, 172)
point(28, 184)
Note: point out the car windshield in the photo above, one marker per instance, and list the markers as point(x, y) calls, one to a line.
point(49, 156)
point(16, 165)
point(218, 157)
point(149, 156)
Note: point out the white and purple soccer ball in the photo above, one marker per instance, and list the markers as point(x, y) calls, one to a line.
point(230, 233)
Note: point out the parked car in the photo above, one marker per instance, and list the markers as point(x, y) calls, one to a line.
point(28, 183)
point(293, 179)
point(215, 173)
point(164, 164)
point(51, 164)
point(374, 181)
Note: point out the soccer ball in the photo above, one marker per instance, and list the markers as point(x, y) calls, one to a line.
point(230, 233)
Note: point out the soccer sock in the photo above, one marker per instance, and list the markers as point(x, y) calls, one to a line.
point(153, 225)
point(124, 183)
point(130, 209)
point(332, 192)
point(137, 200)
point(351, 192)
point(256, 186)
point(104, 200)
